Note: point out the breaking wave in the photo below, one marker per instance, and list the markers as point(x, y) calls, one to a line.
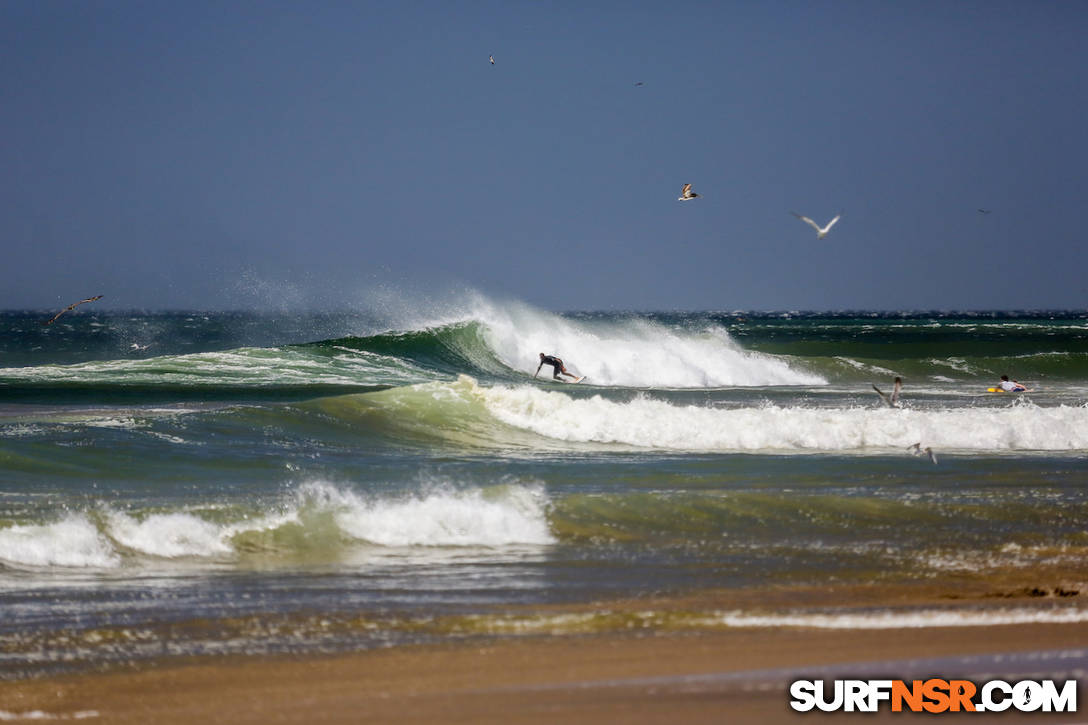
point(502, 415)
point(319, 519)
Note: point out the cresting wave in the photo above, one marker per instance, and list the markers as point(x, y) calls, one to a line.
point(481, 336)
point(485, 339)
point(467, 412)
point(495, 340)
point(633, 352)
point(321, 519)
point(505, 343)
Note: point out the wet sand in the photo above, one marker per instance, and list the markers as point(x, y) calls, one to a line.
point(694, 677)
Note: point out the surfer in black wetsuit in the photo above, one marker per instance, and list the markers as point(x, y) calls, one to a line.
point(557, 366)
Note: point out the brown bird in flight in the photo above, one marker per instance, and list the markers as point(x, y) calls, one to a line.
point(686, 194)
point(71, 306)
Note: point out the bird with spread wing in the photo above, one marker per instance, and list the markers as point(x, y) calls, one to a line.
point(71, 307)
point(821, 232)
point(917, 450)
point(892, 401)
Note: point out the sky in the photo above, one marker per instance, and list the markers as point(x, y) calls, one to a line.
point(222, 155)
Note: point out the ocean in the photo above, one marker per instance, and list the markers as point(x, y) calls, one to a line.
point(227, 483)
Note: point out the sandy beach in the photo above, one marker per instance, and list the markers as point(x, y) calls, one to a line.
point(694, 677)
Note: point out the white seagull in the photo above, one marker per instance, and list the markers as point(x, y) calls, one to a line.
point(917, 450)
point(492, 59)
point(686, 194)
point(820, 233)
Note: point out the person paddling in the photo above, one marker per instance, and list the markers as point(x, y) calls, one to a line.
point(1011, 386)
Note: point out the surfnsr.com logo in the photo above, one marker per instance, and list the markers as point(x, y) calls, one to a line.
point(933, 695)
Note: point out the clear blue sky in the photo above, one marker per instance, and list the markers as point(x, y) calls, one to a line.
point(206, 154)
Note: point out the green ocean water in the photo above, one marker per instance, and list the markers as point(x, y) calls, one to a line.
point(217, 482)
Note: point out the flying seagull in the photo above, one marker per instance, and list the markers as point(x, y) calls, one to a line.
point(70, 307)
point(686, 194)
point(640, 83)
point(892, 401)
point(917, 450)
point(983, 211)
point(492, 59)
point(820, 233)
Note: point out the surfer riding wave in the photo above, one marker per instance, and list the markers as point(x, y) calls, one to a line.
point(557, 367)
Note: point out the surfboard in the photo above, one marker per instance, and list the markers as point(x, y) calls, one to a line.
point(999, 390)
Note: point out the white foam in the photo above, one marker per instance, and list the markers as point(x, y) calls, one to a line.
point(630, 353)
point(169, 535)
point(634, 352)
point(905, 619)
point(866, 367)
point(20, 430)
point(958, 364)
point(569, 623)
point(71, 542)
point(172, 438)
point(650, 423)
point(1010, 554)
point(42, 715)
point(506, 515)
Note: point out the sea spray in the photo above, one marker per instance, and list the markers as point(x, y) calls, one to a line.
point(73, 541)
point(168, 535)
point(316, 519)
point(510, 514)
point(633, 352)
point(486, 338)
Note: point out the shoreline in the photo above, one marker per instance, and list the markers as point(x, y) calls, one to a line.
point(1048, 596)
point(640, 676)
point(572, 679)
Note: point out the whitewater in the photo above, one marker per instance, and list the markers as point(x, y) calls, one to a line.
point(649, 423)
point(363, 478)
